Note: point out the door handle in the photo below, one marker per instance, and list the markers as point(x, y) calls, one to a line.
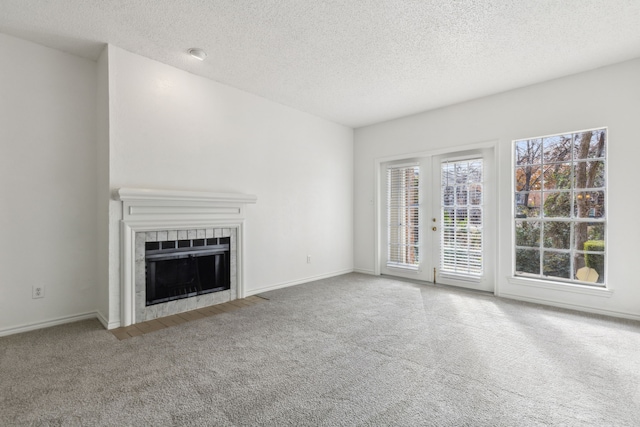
point(434, 228)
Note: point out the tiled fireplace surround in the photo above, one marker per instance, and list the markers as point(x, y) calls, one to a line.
point(161, 215)
point(143, 312)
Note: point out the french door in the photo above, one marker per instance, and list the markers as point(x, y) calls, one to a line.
point(439, 219)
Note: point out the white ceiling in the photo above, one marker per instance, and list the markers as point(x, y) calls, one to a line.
point(355, 62)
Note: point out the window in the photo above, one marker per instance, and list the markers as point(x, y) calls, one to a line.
point(461, 217)
point(403, 225)
point(560, 217)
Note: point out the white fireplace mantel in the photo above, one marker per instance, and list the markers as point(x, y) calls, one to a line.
point(152, 209)
point(142, 204)
point(140, 194)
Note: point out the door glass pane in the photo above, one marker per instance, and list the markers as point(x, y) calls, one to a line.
point(403, 216)
point(461, 217)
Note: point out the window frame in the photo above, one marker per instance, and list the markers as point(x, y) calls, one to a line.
point(574, 192)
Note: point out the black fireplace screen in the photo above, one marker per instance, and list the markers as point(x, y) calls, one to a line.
point(184, 268)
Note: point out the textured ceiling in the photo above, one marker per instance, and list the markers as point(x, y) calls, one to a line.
point(355, 62)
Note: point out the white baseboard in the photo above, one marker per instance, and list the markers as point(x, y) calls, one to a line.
point(576, 307)
point(363, 271)
point(103, 319)
point(48, 323)
point(297, 282)
point(107, 325)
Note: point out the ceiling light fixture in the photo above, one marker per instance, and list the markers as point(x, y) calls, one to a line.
point(198, 53)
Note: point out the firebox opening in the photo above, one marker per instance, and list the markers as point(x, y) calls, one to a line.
point(186, 268)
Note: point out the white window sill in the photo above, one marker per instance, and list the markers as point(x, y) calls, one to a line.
point(561, 286)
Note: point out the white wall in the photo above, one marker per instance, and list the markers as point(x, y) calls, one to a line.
point(47, 190)
point(605, 97)
point(103, 191)
point(170, 129)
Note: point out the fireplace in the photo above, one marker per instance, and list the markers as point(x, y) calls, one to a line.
point(180, 251)
point(177, 269)
point(182, 270)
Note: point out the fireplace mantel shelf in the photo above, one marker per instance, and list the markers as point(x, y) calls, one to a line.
point(140, 194)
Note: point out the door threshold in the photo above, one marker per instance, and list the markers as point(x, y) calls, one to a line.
point(441, 285)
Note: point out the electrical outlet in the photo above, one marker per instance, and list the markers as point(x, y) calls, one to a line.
point(308, 259)
point(38, 292)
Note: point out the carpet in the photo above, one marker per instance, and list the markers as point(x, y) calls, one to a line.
point(354, 350)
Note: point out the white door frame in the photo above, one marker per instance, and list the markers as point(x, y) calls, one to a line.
point(425, 195)
point(487, 282)
point(379, 203)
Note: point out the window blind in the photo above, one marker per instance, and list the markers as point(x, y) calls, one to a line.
point(403, 219)
point(461, 216)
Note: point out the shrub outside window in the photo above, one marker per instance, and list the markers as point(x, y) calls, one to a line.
point(560, 207)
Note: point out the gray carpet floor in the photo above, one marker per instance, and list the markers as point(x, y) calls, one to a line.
point(347, 351)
